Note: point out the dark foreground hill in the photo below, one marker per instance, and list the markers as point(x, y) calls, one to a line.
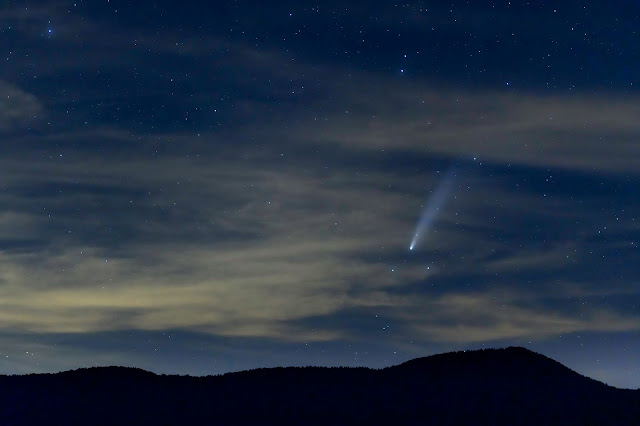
point(511, 386)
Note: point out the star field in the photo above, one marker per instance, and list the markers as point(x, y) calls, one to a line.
point(206, 187)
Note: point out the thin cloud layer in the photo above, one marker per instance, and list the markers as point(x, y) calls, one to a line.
point(18, 109)
point(304, 246)
point(593, 133)
point(486, 317)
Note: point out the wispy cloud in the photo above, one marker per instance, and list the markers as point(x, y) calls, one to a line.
point(594, 133)
point(18, 109)
point(487, 317)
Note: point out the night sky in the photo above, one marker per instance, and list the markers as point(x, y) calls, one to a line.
point(203, 187)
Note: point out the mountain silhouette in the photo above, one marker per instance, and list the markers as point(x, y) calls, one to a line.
point(512, 386)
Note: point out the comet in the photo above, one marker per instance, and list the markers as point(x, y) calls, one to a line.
point(433, 207)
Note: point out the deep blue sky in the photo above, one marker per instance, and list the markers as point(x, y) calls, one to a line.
point(202, 187)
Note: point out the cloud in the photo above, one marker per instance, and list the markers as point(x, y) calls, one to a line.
point(271, 247)
point(18, 109)
point(590, 132)
point(233, 291)
point(489, 316)
point(594, 133)
point(197, 243)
